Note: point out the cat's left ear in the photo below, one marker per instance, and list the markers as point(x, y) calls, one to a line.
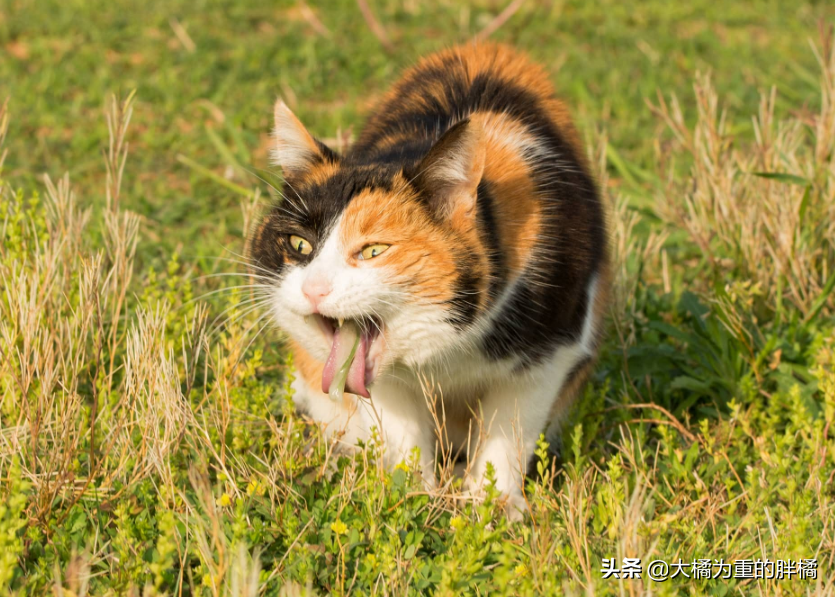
point(452, 170)
point(295, 149)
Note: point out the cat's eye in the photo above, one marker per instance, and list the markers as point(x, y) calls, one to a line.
point(300, 245)
point(372, 251)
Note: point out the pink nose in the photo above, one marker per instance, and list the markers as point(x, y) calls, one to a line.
point(316, 289)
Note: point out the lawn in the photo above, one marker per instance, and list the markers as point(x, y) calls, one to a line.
point(148, 443)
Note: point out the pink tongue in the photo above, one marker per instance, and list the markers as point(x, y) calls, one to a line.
point(340, 351)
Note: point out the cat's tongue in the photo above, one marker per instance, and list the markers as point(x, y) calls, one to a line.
point(344, 339)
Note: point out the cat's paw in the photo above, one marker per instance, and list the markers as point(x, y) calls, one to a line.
point(513, 502)
point(515, 506)
point(427, 476)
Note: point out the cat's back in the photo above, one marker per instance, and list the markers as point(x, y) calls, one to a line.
point(541, 224)
point(457, 83)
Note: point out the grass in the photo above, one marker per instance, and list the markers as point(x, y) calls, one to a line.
point(147, 437)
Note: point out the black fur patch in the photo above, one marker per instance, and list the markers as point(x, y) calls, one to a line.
point(486, 219)
point(465, 301)
point(311, 210)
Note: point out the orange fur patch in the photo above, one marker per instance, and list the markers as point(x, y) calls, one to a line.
point(517, 209)
point(422, 254)
point(319, 173)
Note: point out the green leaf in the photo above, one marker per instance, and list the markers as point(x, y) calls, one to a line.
point(690, 302)
point(671, 331)
point(804, 203)
point(820, 302)
point(621, 166)
point(205, 172)
point(685, 382)
point(784, 177)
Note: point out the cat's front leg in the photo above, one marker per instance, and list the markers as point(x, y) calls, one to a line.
point(402, 419)
point(399, 415)
point(339, 419)
point(513, 413)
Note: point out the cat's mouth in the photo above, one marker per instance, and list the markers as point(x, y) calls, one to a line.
point(345, 334)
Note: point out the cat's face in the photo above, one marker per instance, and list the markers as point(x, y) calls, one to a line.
point(394, 254)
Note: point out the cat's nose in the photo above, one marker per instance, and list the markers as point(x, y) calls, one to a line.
point(316, 288)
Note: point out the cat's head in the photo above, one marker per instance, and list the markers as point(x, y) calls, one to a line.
point(392, 248)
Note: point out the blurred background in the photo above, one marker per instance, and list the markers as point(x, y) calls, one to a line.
point(207, 72)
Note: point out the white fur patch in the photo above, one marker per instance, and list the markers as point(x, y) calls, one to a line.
point(294, 148)
point(519, 407)
point(356, 291)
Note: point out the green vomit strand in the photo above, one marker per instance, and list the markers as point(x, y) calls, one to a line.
point(337, 389)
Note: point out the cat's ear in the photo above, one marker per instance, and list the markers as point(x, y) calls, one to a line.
point(451, 171)
point(294, 149)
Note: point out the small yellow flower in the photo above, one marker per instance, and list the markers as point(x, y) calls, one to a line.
point(255, 487)
point(211, 581)
point(224, 500)
point(402, 466)
point(520, 570)
point(339, 527)
point(457, 523)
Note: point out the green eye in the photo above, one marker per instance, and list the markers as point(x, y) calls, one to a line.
point(372, 251)
point(300, 244)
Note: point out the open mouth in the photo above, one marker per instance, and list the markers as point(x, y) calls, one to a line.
point(357, 340)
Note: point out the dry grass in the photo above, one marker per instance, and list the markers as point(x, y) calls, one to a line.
point(766, 213)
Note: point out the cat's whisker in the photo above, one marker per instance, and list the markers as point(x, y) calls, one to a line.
point(233, 275)
point(216, 328)
point(236, 313)
point(266, 182)
point(246, 262)
point(292, 188)
point(213, 333)
point(229, 289)
point(255, 337)
point(251, 268)
point(257, 294)
point(250, 297)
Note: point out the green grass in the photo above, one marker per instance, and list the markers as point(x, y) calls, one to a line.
point(147, 442)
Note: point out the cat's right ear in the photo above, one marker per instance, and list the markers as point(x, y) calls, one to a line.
point(451, 172)
point(295, 149)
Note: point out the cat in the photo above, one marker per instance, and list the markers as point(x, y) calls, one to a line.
point(464, 240)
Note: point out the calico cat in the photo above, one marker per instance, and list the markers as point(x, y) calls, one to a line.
point(462, 240)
